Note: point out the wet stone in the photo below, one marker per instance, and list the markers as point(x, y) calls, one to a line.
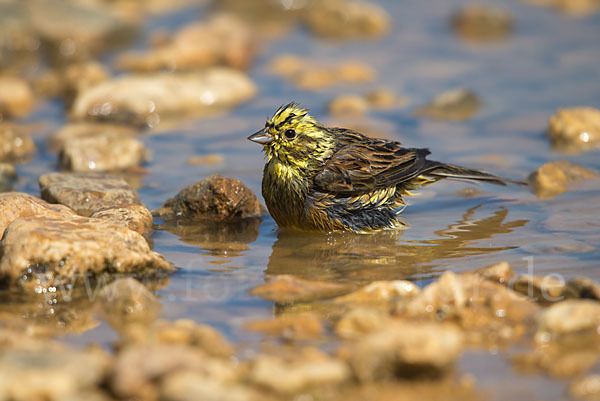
point(572, 8)
point(77, 130)
point(135, 217)
point(346, 19)
point(290, 327)
point(51, 251)
point(208, 160)
point(575, 129)
point(193, 386)
point(360, 321)
point(102, 153)
point(127, 301)
point(15, 205)
point(585, 288)
point(406, 349)
point(222, 40)
point(143, 100)
point(71, 80)
point(542, 289)
point(14, 143)
point(348, 104)
point(215, 198)
point(51, 375)
point(586, 387)
point(384, 99)
point(8, 175)
point(288, 289)
point(453, 105)
point(16, 97)
point(567, 318)
point(381, 291)
point(553, 178)
point(558, 359)
point(86, 192)
point(482, 23)
point(498, 272)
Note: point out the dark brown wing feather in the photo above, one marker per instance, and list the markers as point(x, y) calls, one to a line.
point(373, 164)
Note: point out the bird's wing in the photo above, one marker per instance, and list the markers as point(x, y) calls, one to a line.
point(365, 166)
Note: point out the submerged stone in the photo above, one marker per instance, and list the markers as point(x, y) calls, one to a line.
point(453, 105)
point(87, 193)
point(381, 291)
point(482, 23)
point(216, 198)
point(146, 99)
point(575, 129)
point(14, 143)
point(348, 104)
point(290, 327)
point(553, 178)
point(102, 153)
point(127, 301)
point(287, 289)
point(16, 97)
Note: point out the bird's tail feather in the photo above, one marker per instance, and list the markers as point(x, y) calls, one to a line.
point(443, 170)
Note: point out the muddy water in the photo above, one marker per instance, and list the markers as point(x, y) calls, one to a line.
point(550, 61)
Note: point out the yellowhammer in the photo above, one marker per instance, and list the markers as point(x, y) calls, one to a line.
point(333, 179)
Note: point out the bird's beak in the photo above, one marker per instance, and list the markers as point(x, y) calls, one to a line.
point(263, 137)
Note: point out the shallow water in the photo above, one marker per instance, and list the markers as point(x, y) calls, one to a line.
point(550, 61)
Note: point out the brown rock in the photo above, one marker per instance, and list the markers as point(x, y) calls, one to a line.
point(567, 318)
point(78, 77)
point(72, 131)
point(102, 153)
point(348, 104)
point(135, 217)
point(575, 129)
point(15, 205)
point(385, 99)
point(284, 376)
point(583, 287)
point(542, 289)
point(479, 22)
point(346, 19)
point(216, 197)
point(291, 327)
point(53, 251)
point(193, 386)
point(222, 40)
point(209, 160)
point(406, 349)
point(14, 144)
point(381, 291)
point(454, 105)
point(358, 322)
point(87, 193)
point(287, 289)
point(16, 97)
point(559, 360)
point(8, 175)
point(572, 8)
point(126, 301)
point(586, 387)
point(146, 99)
point(499, 272)
point(553, 178)
point(181, 332)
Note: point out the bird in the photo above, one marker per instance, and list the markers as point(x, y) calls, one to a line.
point(318, 178)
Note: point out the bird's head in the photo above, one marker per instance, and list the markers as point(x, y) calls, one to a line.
point(294, 137)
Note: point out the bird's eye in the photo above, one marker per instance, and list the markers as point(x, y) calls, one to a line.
point(290, 134)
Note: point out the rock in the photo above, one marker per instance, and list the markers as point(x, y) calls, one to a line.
point(469, 193)
point(584, 288)
point(180, 332)
point(208, 160)
point(222, 40)
point(139, 369)
point(575, 129)
point(499, 272)
point(291, 327)
point(385, 99)
point(126, 301)
point(310, 75)
point(14, 144)
point(145, 99)
point(16, 97)
point(542, 289)
point(286, 377)
point(406, 349)
point(348, 104)
point(77, 130)
point(358, 322)
point(287, 289)
point(51, 251)
point(51, 375)
point(567, 318)
point(573, 8)
point(15, 205)
point(73, 31)
point(192, 386)
point(558, 360)
point(453, 105)
point(135, 217)
point(8, 175)
point(553, 178)
point(482, 23)
point(381, 291)
point(216, 198)
point(586, 387)
point(102, 153)
point(347, 19)
point(87, 193)
point(78, 77)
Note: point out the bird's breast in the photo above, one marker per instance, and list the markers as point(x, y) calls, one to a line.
point(284, 189)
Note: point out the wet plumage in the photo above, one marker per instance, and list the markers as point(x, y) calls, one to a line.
point(333, 179)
